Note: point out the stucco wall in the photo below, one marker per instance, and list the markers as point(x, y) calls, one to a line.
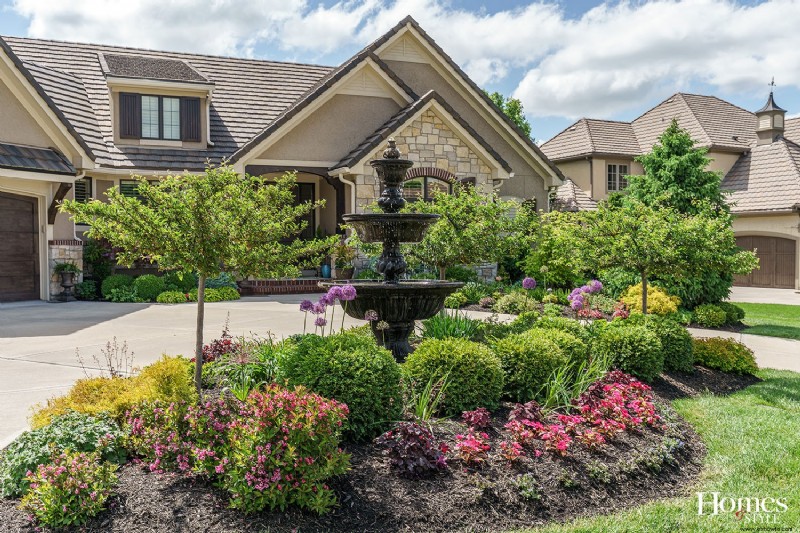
point(526, 183)
point(722, 161)
point(578, 171)
point(17, 125)
point(429, 142)
point(334, 129)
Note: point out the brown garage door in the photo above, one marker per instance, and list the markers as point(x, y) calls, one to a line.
point(19, 248)
point(776, 257)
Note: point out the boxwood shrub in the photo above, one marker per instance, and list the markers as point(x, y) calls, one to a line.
point(352, 369)
point(733, 313)
point(710, 315)
point(676, 341)
point(171, 297)
point(528, 360)
point(149, 286)
point(474, 373)
point(180, 281)
point(562, 323)
point(727, 355)
point(573, 346)
point(115, 281)
point(631, 348)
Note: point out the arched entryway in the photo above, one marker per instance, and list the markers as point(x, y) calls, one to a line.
point(19, 248)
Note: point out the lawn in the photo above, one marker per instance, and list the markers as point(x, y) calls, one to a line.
point(774, 320)
point(753, 451)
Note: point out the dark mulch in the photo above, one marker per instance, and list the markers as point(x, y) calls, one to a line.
point(630, 471)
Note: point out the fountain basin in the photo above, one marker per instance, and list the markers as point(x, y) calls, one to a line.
point(397, 227)
point(398, 306)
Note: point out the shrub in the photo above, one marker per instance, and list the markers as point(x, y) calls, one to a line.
point(180, 281)
point(487, 302)
point(709, 315)
point(473, 448)
point(211, 295)
point(171, 297)
point(368, 273)
point(733, 313)
point(480, 418)
point(727, 355)
point(455, 300)
point(86, 290)
point(562, 323)
point(528, 360)
point(413, 451)
point(166, 380)
point(460, 273)
point(69, 491)
point(115, 281)
point(223, 280)
point(658, 301)
point(676, 341)
point(493, 329)
point(474, 372)
point(573, 346)
point(474, 291)
point(633, 349)
point(515, 303)
point(352, 369)
point(228, 293)
point(148, 286)
point(124, 295)
point(72, 431)
point(552, 310)
point(453, 324)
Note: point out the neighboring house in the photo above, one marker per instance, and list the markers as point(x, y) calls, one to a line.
point(757, 153)
point(78, 119)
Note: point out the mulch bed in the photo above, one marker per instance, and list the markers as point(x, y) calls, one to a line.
point(628, 472)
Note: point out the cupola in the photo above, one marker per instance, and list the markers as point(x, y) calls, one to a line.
point(770, 120)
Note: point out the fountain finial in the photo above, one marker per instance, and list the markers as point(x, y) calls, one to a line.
point(391, 151)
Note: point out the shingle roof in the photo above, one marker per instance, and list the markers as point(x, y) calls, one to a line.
point(766, 179)
point(792, 129)
point(390, 126)
point(570, 197)
point(34, 159)
point(153, 68)
point(590, 136)
point(248, 96)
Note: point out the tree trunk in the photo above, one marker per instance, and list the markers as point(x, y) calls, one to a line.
point(644, 293)
point(198, 347)
point(442, 273)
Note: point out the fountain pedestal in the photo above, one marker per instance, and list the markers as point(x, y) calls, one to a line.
point(398, 303)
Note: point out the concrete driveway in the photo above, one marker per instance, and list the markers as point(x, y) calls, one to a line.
point(759, 295)
point(38, 340)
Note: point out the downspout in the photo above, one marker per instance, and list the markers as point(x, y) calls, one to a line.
point(352, 186)
point(80, 176)
point(591, 176)
point(209, 142)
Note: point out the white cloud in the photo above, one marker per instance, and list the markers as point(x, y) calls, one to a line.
point(613, 58)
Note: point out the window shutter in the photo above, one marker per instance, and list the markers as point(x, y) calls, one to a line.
point(130, 116)
point(190, 119)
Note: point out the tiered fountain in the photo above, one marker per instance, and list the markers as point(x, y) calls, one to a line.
point(398, 303)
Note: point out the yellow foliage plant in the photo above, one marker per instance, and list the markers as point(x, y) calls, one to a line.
point(658, 301)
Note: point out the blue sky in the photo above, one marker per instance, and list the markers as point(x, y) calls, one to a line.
point(563, 59)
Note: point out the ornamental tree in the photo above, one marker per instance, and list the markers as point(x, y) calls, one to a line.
point(473, 228)
point(652, 242)
point(206, 223)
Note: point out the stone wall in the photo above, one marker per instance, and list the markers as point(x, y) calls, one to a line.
point(429, 142)
point(63, 251)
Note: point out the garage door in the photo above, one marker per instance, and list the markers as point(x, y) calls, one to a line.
point(777, 258)
point(19, 248)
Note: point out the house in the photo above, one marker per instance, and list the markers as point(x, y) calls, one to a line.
point(77, 119)
point(758, 154)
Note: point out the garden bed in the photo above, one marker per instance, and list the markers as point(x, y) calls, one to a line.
point(631, 470)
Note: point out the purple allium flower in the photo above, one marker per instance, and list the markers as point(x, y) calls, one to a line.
point(577, 303)
point(318, 308)
point(371, 315)
point(595, 286)
point(335, 293)
point(306, 305)
point(320, 322)
point(326, 299)
point(528, 283)
point(348, 293)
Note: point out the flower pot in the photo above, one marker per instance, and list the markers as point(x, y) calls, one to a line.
point(67, 283)
point(345, 273)
point(325, 271)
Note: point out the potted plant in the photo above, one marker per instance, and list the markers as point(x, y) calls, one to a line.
point(67, 271)
point(344, 255)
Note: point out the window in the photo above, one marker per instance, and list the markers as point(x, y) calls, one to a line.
point(130, 188)
point(83, 190)
point(171, 118)
point(616, 177)
point(423, 188)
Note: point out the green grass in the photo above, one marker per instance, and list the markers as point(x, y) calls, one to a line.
point(773, 320)
point(753, 451)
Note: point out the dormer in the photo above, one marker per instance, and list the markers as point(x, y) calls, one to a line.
point(770, 118)
point(157, 102)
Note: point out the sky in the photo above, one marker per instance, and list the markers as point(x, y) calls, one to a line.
point(563, 59)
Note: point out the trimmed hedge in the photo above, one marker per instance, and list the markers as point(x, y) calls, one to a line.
point(474, 373)
point(676, 341)
point(171, 297)
point(115, 281)
point(634, 349)
point(529, 360)
point(148, 286)
point(710, 315)
point(727, 355)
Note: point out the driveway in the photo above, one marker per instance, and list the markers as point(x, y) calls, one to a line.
point(758, 295)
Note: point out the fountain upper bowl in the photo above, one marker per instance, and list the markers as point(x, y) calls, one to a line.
point(400, 227)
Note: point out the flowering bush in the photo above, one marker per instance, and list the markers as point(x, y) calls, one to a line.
point(412, 450)
point(218, 347)
point(579, 297)
point(277, 448)
point(343, 293)
point(473, 447)
point(511, 451)
point(70, 490)
point(477, 419)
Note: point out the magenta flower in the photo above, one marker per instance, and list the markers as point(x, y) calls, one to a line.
point(306, 306)
point(348, 293)
point(529, 283)
point(335, 293)
point(320, 322)
point(371, 315)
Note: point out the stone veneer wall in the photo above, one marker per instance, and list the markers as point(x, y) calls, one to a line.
point(429, 142)
point(63, 251)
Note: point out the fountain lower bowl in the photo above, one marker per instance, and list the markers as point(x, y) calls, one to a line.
point(398, 227)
